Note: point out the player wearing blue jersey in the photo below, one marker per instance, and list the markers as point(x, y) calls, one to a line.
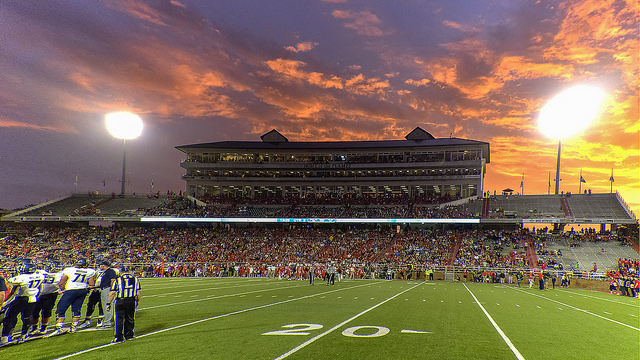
point(24, 294)
point(75, 284)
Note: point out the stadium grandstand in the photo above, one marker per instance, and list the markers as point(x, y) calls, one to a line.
point(416, 202)
point(419, 166)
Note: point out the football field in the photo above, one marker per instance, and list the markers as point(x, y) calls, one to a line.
point(258, 318)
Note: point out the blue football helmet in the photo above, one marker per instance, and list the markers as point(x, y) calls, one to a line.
point(27, 269)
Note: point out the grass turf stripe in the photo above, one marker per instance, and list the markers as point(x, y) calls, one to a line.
point(599, 298)
point(575, 308)
point(212, 297)
point(213, 318)
point(495, 325)
point(304, 344)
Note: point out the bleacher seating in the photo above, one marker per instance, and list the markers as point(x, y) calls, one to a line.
point(596, 206)
point(92, 205)
point(65, 206)
point(570, 206)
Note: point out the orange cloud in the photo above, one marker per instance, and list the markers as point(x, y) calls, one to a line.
point(83, 81)
point(296, 109)
point(455, 25)
point(291, 69)
point(7, 123)
point(361, 86)
point(512, 68)
point(302, 47)
point(363, 22)
point(421, 82)
point(139, 10)
point(589, 27)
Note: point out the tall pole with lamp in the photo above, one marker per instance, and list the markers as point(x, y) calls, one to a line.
point(568, 113)
point(125, 126)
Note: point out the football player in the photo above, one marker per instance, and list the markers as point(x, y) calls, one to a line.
point(74, 284)
point(45, 303)
point(25, 289)
point(95, 298)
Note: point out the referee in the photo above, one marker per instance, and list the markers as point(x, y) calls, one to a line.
point(125, 290)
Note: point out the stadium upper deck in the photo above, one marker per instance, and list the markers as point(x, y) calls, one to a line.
point(515, 210)
point(420, 165)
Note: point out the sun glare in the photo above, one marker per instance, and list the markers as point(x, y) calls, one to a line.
point(570, 112)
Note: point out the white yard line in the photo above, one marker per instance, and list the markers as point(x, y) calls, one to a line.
point(575, 308)
point(215, 317)
point(495, 325)
point(340, 325)
point(599, 298)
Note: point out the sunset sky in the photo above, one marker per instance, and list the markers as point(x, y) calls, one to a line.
point(204, 71)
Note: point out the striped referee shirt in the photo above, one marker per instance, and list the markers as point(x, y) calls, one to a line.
point(126, 286)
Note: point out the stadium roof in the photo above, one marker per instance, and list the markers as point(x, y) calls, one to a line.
point(284, 144)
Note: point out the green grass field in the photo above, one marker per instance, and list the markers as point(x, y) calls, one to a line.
point(239, 318)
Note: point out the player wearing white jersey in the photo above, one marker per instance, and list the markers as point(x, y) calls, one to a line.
point(95, 296)
point(46, 301)
point(24, 294)
point(75, 284)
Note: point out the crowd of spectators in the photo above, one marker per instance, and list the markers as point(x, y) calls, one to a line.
point(224, 245)
point(628, 267)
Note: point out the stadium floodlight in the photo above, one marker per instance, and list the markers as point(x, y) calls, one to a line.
point(125, 126)
point(567, 114)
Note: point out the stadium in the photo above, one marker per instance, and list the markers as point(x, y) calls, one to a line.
point(411, 256)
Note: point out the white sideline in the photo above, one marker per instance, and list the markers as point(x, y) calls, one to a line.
point(215, 317)
point(340, 325)
point(575, 308)
point(502, 334)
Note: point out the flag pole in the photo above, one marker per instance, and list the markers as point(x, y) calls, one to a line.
point(580, 181)
point(611, 182)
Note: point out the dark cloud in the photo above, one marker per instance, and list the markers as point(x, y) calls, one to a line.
point(211, 71)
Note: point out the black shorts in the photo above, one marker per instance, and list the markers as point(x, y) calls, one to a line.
point(44, 304)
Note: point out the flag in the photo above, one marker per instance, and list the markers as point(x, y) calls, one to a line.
point(522, 183)
point(582, 180)
point(611, 178)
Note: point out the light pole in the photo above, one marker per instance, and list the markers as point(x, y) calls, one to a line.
point(124, 125)
point(568, 113)
point(558, 167)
